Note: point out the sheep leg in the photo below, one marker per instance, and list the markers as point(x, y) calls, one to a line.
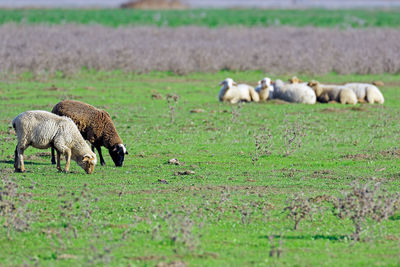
point(68, 159)
point(53, 158)
point(370, 96)
point(16, 158)
point(102, 162)
point(58, 161)
point(19, 156)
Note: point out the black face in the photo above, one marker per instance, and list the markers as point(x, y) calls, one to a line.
point(117, 154)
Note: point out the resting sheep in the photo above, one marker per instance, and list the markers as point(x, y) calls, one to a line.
point(42, 129)
point(95, 126)
point(264, 89)
point(232, 92)
point(328, 93)
point(366, 92)
point(295, 92)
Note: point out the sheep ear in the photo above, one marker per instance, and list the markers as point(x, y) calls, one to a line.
point(86, 157)
point(259, 82)
point(125, 150)
point(234, 83)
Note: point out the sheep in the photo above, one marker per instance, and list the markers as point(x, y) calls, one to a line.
point(295, 93)
point(328, 93)
point(42, 129)
point(233, 92)
point(95, 126)
point(366, 92)
point(294, 79)
point(264, 89)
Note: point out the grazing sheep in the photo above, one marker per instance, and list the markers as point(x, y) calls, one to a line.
point(233, 92)
point(95, 126)
point(264, 89)
point(42, 129)
point(295, 93)
point(366, 92)
point(328, 93)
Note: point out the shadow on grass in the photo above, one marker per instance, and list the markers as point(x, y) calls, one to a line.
point(11, 162)
point(310, 237)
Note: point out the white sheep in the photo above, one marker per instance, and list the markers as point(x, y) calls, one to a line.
point(295, 92)
point(42, 129)
point(366, 92)
point(233, 92)
point(265, 89)
point(328, 92)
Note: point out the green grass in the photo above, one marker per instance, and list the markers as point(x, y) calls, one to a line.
point(207, 17)
point(136, 217)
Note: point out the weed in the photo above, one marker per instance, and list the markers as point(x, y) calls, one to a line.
point(14, 212)
point(236, 111)
point(172, 100)
point(292, 137)
point(365, 201)
point(299, 208)
point(263, 144)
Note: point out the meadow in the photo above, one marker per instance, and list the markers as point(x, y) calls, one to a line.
point(256, 184)
point(225, 204)
point(206, 17)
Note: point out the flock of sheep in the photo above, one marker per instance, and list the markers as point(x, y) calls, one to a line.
point(65, 130)
point(297, 91)
point(70, 123)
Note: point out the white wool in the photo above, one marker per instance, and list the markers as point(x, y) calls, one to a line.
point(42, 129)
point(295, 93)
point(233, 93)
point(366, 92)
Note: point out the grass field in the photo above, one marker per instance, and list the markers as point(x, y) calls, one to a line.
point(231, 209)
point(207, 17)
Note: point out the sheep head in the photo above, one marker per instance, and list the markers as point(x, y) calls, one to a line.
point(117, 153)
point(265, 83)
point(228, 83)
point(88, 162)
point(315, 85)
point(294, 79)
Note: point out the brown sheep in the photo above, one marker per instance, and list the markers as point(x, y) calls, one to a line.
point(333, 93)
point(95, 126)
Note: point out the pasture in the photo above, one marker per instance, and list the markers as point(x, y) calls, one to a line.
point(247, 175)
point(225, 204)
point(211, 18)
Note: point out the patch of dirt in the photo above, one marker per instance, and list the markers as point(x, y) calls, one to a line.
point(67, 257)
point(154, 4)
point(147, 258)
point(171, 264)
point(38, 155)
point(359, 157)
point(157, 96)
point(333, 110)
point(197, 110)
point(324, 174)
point(187, 172)
point(278, 102)
point(54, 88)
point(390, 153)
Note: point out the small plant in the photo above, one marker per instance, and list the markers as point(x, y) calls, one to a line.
point(274, 251)
point(293, 137)
point(365, 201)
point(172, 100)
point(14, 213)
point(263, 144)
point(299, 208)
point(76, 208)
point(236, 111)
